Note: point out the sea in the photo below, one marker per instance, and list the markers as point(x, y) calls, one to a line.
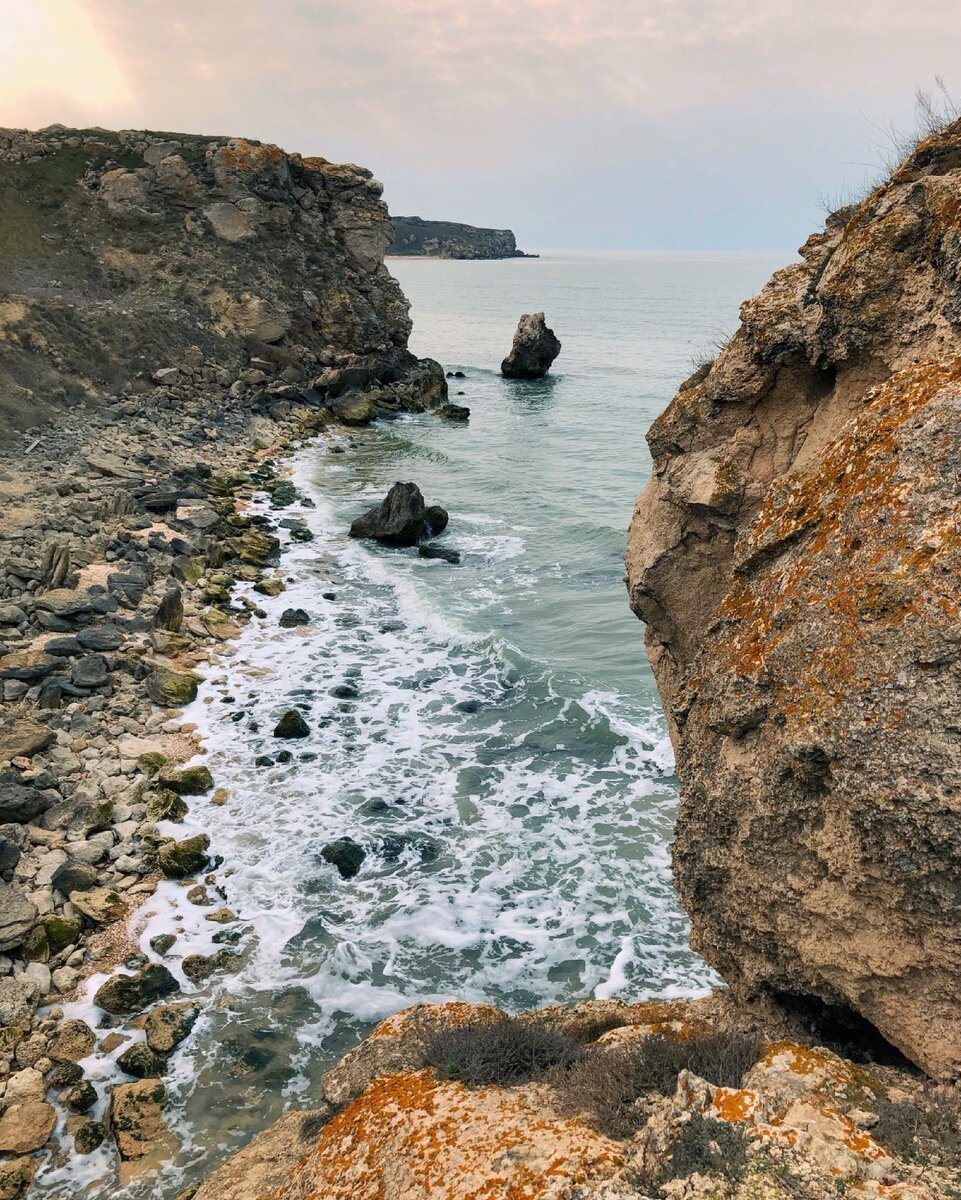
point(489, 732)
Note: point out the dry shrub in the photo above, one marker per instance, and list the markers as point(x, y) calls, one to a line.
point(505, 1052)
point(605, 1083)
point(925, 1128)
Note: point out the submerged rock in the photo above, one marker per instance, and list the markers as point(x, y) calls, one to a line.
point(446, 553)
point(169, 1024)
point(794, 559)
point(401, 519)
point(346, 855)
point(535, 348)
point(290, 618)
point(453, 412)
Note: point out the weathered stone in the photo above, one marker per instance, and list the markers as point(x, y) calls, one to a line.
point(88, 1135)
point(180, 859)
point(18, 801)
point(535, 348)
point(123, 995)
point(74, 876)
point(346, 855)
point(401, 519)
point(169, 1024)
point(81, 1097)
point(27, 665)
point(18, 999)
point(190, 781)
point(23, 739)
point(291, 725)
point(172, 689)
point(166, 806)
point(103, 906)
point(26, 1126)
point(16, 1178)
point(61, 931)
point(73, 1041)
point(290, 618)
point(17, 917)
point(135, 1116)
point(140, 1061)
point(798, 571)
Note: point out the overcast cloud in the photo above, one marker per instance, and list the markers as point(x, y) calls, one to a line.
point(657, 123)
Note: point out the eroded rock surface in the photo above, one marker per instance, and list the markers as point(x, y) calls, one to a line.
point(535, 348)
point(796, 559)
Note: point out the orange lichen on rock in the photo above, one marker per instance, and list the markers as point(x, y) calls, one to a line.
point(411, 1137)
point(242, 155)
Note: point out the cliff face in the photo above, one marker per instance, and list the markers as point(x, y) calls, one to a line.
point(121, 251)
point(447, 239)
point(796, 559)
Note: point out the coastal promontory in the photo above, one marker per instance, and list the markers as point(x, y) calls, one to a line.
point(415, 237)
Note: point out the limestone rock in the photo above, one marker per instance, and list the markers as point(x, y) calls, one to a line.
point(26, 1125)
point(136, 1120)
point(124, 995)
point(180, 859)
point(168, 1025)
point(401, 519)
point(103, 906)
point(795, 558)
point(16, 1177)
point(535, 348)
point(172, 689)
point(74, 1040)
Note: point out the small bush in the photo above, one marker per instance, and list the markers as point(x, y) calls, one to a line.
point(605, 1084)
point(707, 1146)
point(504, 1052)
point(917, 1130)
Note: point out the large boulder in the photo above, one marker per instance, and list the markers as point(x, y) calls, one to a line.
point(136, 1117)
point(796, 559)
point(535, 348)
point(123, 995)
point(401, 519)
point(17, 917)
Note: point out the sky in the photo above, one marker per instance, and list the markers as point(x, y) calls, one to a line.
point(580, 124)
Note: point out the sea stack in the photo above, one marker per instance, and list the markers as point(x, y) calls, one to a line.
point(795, 556)
point(535, 348)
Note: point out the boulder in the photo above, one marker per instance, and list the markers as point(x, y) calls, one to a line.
point(16, 1177)
point(535, 348)
point(794, 559)
point(166, 805)
point(346, 855)
point(136, 1120)
point(169, 1024)
point(290, 618)
point(26, 1126)
point(123, 995)
point(445, 553)
point(263, 1165)
point(23, 739)
point(181, 859)
point(103, 906)
point(17, 917)
point(190, 781)
point(140, 1061)
point(19, 802)
point(27, 665)
point(453, 412)
point(73, 1041)
point(172, 689)
point(292, 725)
point(18, 999)
point(91, 671)
point(74, 876)
point(401, 519)
point(88, 1135)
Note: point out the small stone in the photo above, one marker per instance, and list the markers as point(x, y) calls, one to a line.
point(64, 1074)
point(346, 855)
point(222, 916)
point(162, 942)
point(81, 1097)
point(292, 725)
point(87, 1135)
point(141, 1062)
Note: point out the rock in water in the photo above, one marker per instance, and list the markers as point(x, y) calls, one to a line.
point(292, 725)
point(124, 995)
point(796, 559)
point(401, 519)
point(535, 348)
point(346, 855)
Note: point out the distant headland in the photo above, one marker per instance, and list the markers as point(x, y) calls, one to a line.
point(417, 238)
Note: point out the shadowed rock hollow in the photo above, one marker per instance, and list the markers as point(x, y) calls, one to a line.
point(796, 558)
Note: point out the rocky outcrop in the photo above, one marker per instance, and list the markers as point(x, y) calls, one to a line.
point(221, 251)
point(416, 237)
point(795, 557)
point(401, 519)
point(675, 1099)
point(535, 348)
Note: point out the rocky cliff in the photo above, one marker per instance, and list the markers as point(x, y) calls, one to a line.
point(447, 239)
point(796, 559)
point(123, 251)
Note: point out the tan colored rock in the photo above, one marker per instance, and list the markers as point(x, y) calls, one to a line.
point(795, 558)
point(26, 1125)
point(101, 905)
point(263, 1166)
point(73, 1041)
point(16, 1177)
point(136, 1120)
point(27, 1084)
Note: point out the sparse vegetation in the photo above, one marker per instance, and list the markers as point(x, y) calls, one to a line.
point(703, 1145)
point(923, 1129)
point(504, 1052)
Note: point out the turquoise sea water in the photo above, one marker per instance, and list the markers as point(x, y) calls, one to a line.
point(503, 760)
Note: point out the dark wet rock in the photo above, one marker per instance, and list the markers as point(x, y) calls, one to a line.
point(63, 647)
point(64, 1074)
point(123, 995)
point(126, 587)
point(172, 689)
point(168, 1025)
point(9, 855)
point(535, 348)
point(467, 706)
point(170, 611)
point(453, 412)
point(90, 672)
point(258, 548)
point(190, 781)
point(81, 1097)
point(140, 1061)
point(345, 691)
point(291, 725)
point(264, 760)
point(17, 917)
point(19, 802)
point(166, 806)
point(346, 855)
point(100, 638)
point(198, 967)
point(178, 860)
point(162, 942)
point(88, 1135)
point(442, 552)
point(74, 876)
point(329, 595)
point(401, 519)
point(290, 618)
point(66, 603)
